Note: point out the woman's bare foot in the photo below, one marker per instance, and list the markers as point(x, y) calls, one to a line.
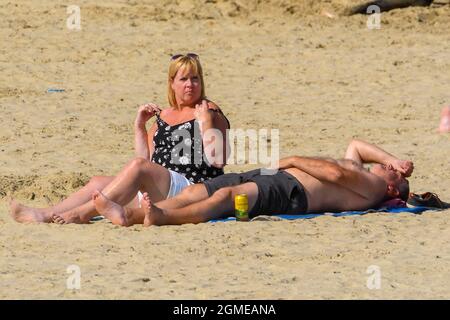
point(22, 213)
point(58, 219)
point(111, 210)
point(153, 214)
point(444, 126)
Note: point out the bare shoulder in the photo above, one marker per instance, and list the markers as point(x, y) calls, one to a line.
point(213, 106)
point(359, 169)
point(362, 181)
point(219, 117)
point(350, 164)
point(377, 184)
point(166, 112)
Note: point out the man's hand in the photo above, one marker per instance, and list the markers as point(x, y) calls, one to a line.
point(405, 167)
point(145, 113)
point(364, 152)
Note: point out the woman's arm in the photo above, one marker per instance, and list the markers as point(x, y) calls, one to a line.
point(142, 146)
point(150, 134)
point(141, 142)
point(221, 123)
point(213, 126)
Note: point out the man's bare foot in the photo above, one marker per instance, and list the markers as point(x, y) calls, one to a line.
point(58, 219)
point(22, 213)
point(111, 210)
point(153, 214)
point(444, 126)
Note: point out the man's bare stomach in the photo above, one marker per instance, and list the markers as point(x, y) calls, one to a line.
point(325, 196)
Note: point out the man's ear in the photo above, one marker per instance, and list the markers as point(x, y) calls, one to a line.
point(392, 191)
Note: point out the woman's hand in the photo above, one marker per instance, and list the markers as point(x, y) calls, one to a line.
point(203, 114)
point(145, 113)
point(405, 167)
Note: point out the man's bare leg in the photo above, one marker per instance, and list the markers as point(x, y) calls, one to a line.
point(139, 174)
point(220, 204)
point(129, 216)
point(22, 213)
point(189, 195)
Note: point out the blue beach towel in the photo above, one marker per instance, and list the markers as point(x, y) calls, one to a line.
point(415, 210)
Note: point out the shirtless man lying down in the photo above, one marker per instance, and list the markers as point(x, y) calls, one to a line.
point(302, 185)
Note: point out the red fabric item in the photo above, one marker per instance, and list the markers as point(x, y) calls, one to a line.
point(394, 203)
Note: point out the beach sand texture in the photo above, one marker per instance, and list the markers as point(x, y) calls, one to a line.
point(280, 64)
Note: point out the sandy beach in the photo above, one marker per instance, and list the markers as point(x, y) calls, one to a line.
point(321, 78)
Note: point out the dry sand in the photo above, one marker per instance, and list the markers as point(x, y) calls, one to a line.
point(281, 64)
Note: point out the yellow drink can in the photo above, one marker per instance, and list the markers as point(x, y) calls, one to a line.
point(241, 207)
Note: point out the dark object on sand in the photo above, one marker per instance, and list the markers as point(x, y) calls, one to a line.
point(55, 90)
point(386, 5)
point(427, 199)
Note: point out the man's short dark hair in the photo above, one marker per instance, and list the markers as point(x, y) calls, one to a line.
point(403, 189)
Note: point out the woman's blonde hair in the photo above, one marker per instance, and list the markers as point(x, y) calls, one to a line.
point(190, 64)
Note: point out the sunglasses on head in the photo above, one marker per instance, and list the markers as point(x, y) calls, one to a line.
point(190, 55)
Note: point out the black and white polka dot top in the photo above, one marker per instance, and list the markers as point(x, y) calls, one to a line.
point(180, 149)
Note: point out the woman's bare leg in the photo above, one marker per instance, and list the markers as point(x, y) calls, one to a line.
point(114, 212)
point(139, 174)
point(23, 213)
point(220, 204)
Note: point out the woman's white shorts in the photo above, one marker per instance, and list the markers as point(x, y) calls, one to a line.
point(177, 183)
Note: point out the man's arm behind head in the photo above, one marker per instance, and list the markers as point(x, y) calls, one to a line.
point(364, 152)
